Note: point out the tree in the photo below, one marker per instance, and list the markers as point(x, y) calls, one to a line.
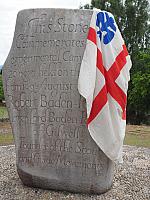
point(114, 6)
point(136, 26)
point(137, 36)
point(86, 6)
point(99, 4)
point(139, 90)
point(132, 17)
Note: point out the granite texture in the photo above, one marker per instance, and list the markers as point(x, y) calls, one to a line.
point(54, 149)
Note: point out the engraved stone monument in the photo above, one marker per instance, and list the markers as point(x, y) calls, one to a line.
point(54, 149)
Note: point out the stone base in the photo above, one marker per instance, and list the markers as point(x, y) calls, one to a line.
point(66, 184)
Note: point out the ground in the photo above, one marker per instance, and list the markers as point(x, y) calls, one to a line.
point(131, 181)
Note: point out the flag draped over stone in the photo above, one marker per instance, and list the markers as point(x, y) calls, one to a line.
point(103, 81)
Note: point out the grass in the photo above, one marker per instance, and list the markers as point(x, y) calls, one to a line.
point(3, 112)
point(6, 139)
point(6, 136)
point(135, 135)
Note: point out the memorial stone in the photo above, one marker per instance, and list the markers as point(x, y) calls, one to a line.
point(54, 149)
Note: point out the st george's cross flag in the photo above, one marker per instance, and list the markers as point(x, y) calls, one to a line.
point(103, 82)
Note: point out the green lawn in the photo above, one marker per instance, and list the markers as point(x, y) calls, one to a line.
point(3, 112)
point(137, 140)
point(138, 136)
point(6, 139)
point(6, 136)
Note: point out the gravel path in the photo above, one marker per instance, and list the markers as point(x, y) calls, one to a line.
point(132, 179)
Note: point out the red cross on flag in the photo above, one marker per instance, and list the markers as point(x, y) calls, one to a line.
point(103, 82)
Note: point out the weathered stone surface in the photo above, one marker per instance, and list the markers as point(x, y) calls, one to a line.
point(54, 149)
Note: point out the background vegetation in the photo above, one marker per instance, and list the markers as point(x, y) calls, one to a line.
point(133, 19)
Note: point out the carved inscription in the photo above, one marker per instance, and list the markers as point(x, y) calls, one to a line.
point(47, 113)
point(54, 149)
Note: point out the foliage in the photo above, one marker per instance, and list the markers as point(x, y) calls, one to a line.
point(113, 6)
point(136, 25)
point(86, 6)
point(139, 90)
point(132, 16)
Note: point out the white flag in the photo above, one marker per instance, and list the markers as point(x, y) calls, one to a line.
point(103, 82)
